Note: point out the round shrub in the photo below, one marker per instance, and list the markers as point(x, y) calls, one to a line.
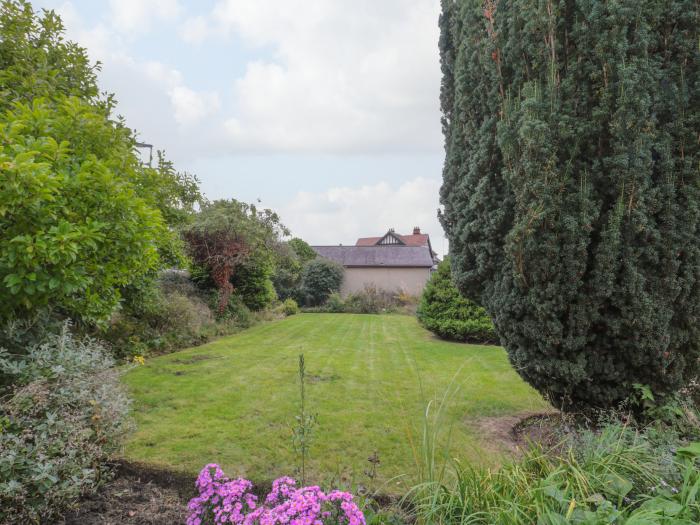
point(320, 278)
point(290, 307)
point(447, 313)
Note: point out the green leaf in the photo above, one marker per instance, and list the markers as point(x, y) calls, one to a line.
point(617, 485)
point(690, 451)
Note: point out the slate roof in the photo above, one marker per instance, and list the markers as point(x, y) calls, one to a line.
point(378, 256)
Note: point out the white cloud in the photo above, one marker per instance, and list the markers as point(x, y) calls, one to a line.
point(341, 215)
point(346, 76)
point(137, 16)
point(154, 97)
point(192, 106)
point(195, 29)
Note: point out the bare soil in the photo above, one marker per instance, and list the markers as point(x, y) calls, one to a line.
point(515, 432)
point(137, 496)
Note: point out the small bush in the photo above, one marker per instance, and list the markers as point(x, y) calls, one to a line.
point(65, 417)
point(334, 304)
point(448, 314)
point(371, 300)
point(290, 307)
point(320, 278)
point(236, 312)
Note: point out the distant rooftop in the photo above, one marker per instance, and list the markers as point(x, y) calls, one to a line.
point(378, 255)
point(391, 237)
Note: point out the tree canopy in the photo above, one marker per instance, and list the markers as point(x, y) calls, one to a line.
point(319, 279)
point(81, 218)
point(36, 60)
point(225, 234)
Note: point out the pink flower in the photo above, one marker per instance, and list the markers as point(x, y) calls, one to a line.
point(223, 500)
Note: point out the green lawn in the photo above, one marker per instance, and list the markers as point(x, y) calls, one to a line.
point(232, 401)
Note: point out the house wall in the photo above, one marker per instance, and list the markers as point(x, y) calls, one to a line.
point(410, 280)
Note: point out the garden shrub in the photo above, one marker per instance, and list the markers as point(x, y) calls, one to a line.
point(236, 312)
point(66, 415)
point(74, 231)
point(81, 217)
point(227, 234)
point(184, 314)
point(290, 307)
point(180, 281)
point(252, 282)
point(371, 300)
point(571, 189)
point(320, 278)
point(222, 500)
point(174, 312)
point(334, 304)
point(164, 316)
point(446, 312)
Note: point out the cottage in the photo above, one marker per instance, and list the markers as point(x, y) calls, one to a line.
point(392, 262)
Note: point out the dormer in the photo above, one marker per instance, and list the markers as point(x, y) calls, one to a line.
point(390, 238)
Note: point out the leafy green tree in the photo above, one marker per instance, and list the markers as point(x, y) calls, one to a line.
point(320, 278)
point(72, 230)
point(571, 187)
point(287, 275)
point(37, 62)
point(290, 259)
point(225, 235)
point(301, 248)
point(82, 222)
point(446, 312)
point(175, 194)
point(252, 281)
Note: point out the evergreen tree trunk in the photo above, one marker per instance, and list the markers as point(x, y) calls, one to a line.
point(571, 187)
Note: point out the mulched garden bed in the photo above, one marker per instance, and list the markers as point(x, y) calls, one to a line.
point(137, 496)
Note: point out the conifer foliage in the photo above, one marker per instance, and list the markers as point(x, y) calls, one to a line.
point(447, 313)
point(571, 187)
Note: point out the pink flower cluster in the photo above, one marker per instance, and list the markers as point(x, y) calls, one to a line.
point(222, 501)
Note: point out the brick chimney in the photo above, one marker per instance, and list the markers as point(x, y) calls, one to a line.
point(416, 230)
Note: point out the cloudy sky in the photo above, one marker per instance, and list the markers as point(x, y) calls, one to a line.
point(325, 110)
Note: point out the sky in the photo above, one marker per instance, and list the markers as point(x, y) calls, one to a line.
point(326, 111)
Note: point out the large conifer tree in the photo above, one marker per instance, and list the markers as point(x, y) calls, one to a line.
point(571, 187)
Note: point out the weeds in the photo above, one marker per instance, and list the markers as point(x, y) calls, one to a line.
point(615, 475)
point(302, 430)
